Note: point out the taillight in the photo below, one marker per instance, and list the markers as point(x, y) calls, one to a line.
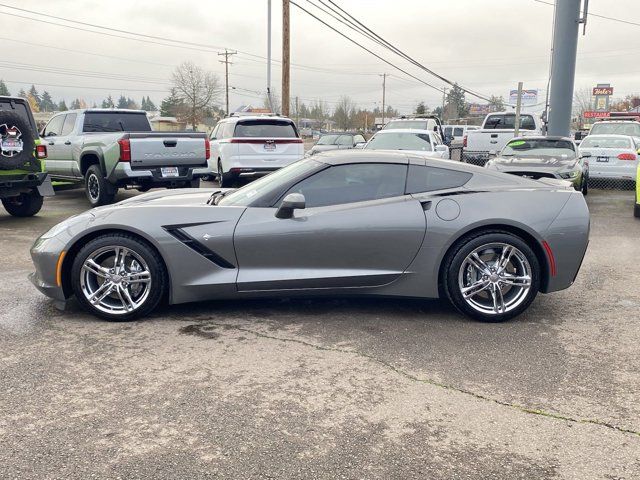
point(464, 142)
point(207, 148)
point(125, 149)
point(627, 156)
point(41, 151)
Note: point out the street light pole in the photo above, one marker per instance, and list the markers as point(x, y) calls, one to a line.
point(563, 65)
point(285, 58)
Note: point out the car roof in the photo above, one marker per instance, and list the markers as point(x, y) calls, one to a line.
point(403, 130)
point(256, 117)
point(614, 135)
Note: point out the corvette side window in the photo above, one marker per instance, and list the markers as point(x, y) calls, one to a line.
point(428, 179)
point(352, 183)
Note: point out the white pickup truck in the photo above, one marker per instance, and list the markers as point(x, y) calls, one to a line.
point(114, 148)
point(497, 129)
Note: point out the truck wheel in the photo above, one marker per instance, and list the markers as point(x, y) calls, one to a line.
point(96, 187)
point(195, 183)
point(24, 205)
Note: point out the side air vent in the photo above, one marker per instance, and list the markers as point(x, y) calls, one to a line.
point(183, 237)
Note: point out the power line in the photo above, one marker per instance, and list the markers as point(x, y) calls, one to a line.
point(627, 22)
point(365, 48)
point(86, 87)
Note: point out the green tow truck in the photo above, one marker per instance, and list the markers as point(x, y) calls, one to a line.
point(23, 179)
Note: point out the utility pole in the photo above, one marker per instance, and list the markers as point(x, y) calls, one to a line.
point(384, 95)
point(226, 62)
point(297, 111)
point(563, 64)
point(285, 58)
point(269, 55)
point(516, 123)
point(444, 98)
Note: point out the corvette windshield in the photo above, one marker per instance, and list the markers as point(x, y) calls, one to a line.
point(273, 182)
point(539, 148)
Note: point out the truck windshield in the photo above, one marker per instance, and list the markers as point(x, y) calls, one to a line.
point(265, 129)
point(509, 121)
point(539, 147)
point(413, 124)
point(116, 122)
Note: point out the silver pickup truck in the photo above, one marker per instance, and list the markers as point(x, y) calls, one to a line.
point(115, 148)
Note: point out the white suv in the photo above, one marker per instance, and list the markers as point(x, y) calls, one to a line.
point(250, 146)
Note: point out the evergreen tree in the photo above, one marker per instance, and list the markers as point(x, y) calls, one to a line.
point(108, 102)
point(171, 105)
point(3, 88)
point(122, 102)
point(33, 93)
point(62, 106)
point(131, 104)
point(421, 109)
point(151, 107)
point(46, 104)
point(143, 104)
point(22, 93)
point(75, 104)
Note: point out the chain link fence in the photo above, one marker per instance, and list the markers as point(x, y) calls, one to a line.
point(625, 181)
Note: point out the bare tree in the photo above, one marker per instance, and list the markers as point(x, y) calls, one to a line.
point(344, 112)
point(582, 101)
point(198, 89)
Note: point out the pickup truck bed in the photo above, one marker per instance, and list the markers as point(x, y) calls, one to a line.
point(111, 149)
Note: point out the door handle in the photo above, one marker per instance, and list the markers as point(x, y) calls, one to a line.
point(67, 142)
point(52, 143)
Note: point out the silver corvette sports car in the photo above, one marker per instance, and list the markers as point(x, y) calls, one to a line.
point(337, 223)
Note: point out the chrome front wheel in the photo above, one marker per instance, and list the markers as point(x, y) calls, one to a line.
point(115, 280)
point(119, 277)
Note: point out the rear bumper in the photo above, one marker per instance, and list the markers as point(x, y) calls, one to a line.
point(613, 173)
point(123, 174)
point(258, 163)
point(13, 185)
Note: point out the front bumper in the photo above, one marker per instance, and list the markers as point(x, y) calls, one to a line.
point(45, 254)
point(123, 174)
point(13, 185)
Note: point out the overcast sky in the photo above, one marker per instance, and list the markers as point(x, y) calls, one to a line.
point(485, 45)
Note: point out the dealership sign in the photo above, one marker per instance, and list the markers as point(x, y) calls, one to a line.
point(602, 91)
point(529, 97)
point(595, 114)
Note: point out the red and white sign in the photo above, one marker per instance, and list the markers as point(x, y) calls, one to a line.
point(602, 91)
point(594, 114)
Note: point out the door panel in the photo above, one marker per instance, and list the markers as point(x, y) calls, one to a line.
point(351, 245)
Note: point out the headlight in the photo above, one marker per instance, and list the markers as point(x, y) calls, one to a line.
point(570, 175)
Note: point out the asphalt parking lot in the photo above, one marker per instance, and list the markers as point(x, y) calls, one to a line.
point(326, 388)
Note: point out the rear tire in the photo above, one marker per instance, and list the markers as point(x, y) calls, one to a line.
point(500, 293)
point(636, 210)
point(141, 272)
point(195, 183)
point(98, 191)
point(585, 186)
point(24, 205)
point(225, 180)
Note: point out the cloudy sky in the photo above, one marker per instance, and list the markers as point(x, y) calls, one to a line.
point(485, 45)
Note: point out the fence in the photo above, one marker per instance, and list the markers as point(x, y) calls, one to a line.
point(627, 183)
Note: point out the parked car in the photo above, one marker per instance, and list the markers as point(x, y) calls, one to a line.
point(23, 179)
point(497, 130)
point(338, 223)
point(630, 128)
point(337, 141)
point(636, 205)
point(456, 133)
point(417, 122)
point(251, 146)
point(413, 141)
point(110, 149)
point(544, 157)
point(613, 157)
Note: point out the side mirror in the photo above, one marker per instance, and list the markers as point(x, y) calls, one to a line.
point(360, 145)
point(442, 148)
point(293, 201)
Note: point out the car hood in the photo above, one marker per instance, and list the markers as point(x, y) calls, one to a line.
point(323, 148)
point(548, 164)
point(177, 197)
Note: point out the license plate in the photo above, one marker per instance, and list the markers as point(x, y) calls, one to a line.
point(169, 171)
point(269, 146)
point(602, 159)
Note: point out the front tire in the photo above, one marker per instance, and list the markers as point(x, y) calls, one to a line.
point(24, 205)
point(118, 277)
point(491, 276)
point(98, 191)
